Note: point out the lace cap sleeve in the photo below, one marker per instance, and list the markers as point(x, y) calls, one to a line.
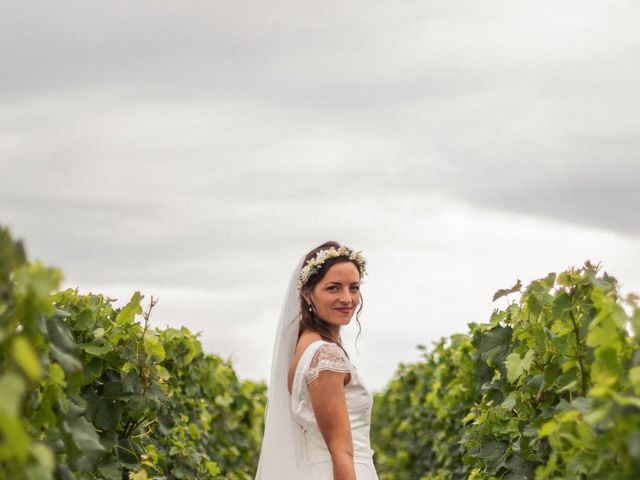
point(327, 357)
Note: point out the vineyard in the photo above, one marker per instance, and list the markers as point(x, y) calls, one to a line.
point(88, 391)
point(548, 388)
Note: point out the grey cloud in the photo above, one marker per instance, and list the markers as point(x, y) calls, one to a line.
point(194, 149)
point(140, 127)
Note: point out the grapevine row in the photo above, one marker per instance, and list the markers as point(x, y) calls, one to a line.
point(549, 388)
point(92, 391)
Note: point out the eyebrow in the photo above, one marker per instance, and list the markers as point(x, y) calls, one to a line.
point(338, 283)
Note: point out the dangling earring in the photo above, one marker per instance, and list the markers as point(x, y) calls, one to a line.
point(310, 309)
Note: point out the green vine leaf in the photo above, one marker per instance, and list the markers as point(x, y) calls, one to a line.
point(517, 366)
point(506, 291)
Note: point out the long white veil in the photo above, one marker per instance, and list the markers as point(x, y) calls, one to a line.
point(281, 452)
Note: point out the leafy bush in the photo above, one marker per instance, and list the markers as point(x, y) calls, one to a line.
point(89, 391)
point(548, 388)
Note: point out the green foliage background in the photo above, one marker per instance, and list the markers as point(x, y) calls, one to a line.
point(548, 388)
point(88, 391)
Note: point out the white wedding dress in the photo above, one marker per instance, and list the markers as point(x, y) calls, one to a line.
point(321, 355)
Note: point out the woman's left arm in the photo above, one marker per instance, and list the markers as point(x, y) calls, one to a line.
point(330, 409)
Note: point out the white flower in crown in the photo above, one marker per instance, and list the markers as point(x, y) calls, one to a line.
point(314, 264)
point(321, 257)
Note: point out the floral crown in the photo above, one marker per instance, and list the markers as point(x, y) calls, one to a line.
point(314, 264)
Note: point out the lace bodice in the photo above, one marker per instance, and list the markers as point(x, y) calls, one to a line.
point(318, 356)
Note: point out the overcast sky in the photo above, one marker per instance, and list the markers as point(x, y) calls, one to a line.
point(196, 150)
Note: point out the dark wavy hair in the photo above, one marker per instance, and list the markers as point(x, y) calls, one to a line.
point(309, 319)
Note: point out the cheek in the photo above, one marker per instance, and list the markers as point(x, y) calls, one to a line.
point(323, 302)
point(328, 302)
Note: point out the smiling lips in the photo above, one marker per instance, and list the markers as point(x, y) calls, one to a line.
point(344, 310)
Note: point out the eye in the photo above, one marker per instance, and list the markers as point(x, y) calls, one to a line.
point(332, 288)
point(355, 288)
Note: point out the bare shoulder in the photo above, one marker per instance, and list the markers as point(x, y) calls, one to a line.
point(306, 339)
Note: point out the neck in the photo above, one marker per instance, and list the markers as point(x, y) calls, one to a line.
point(335, 333)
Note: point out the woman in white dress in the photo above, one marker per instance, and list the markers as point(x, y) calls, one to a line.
point(319, 409)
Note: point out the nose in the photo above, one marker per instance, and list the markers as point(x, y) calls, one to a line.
point(345, 296)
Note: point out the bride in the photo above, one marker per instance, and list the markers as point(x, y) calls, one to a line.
point(319, 409)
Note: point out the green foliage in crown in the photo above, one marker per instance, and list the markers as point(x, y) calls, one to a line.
point(90, 391)
point(549, 388)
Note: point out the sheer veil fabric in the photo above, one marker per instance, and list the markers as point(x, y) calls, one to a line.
point(281, 453)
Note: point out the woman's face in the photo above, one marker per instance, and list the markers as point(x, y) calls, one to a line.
point(337, 295)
